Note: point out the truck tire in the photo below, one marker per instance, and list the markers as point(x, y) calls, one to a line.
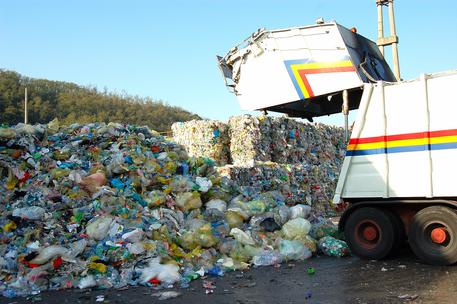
point(399, 235)
point(371, 233)
point(433, 235)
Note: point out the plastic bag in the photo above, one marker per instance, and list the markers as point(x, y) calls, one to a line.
point(188, 200)
point(87, 282)
point(267, 258)
point(204, 237)
point(332, 247)
point(49, 253)
point(256, 207)
point(166, 273)
point(324, 228)
point(30, 213)
point(294, 250)
point(216, 204)
point(133, 236)
point(296, 228)
point(299, 210)
point(269, 224)
point(242, 237)
point(234, 219)
point(99, 228)
point(203, 183)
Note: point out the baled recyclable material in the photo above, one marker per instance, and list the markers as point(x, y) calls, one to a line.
point(207, 138)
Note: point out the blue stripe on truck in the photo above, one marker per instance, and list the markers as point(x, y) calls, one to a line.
point(402, 149)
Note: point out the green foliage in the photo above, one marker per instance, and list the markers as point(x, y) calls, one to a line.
point(72, 103)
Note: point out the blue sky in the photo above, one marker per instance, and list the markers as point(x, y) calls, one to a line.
point(166, 49)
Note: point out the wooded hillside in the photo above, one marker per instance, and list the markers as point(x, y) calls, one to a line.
point(72, 103)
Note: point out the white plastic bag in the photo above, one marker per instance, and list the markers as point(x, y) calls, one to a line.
point(99, 228)
point(294, 250)
point(49, 253)
point(300, 210)
point(217, 204)
point(242, 237)
point(166, 273)
point(203, 183)
point(30, 213)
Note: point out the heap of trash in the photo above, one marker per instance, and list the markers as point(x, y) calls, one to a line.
point(112, 205)
point(301, 160)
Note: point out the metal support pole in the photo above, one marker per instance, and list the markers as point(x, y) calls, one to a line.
point(380, 26)
point(26, 116)
point(345, 111)
point(393, 33)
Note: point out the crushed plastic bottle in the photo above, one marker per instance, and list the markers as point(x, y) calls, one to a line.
point(30, 213)
point(267, 258)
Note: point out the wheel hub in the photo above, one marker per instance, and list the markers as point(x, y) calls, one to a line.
point(370, 233)
point(438, 235)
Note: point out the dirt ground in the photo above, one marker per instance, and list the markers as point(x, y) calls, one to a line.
point(403, 279)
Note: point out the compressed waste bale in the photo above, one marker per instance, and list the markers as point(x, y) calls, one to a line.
point(250, 139)
point(204, 138)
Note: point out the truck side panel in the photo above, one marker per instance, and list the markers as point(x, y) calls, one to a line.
point(406, 145)
point(442, 94)
point(404, 142)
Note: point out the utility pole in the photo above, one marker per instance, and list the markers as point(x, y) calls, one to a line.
point(26, 116)
point(393, 38)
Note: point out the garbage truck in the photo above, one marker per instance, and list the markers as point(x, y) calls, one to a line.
point(397, 182)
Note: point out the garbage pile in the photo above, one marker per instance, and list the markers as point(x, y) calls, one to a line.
point(209, 138)
point(310, 184)
point(111, 206)
point(301, 160)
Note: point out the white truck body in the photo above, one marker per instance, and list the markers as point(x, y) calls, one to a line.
point(404, 141)
point(297, 70)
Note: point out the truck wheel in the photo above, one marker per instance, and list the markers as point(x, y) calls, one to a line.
point(370, 233)
point(399, 232)
point(433, 235)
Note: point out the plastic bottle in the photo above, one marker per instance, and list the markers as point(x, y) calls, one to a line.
point(30, 213)
point(267, 258)
point(216, 271)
